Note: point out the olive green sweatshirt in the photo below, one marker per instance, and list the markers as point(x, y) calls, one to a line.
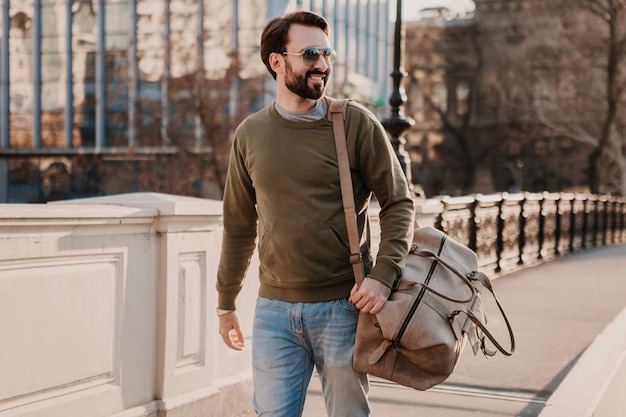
point(282, 191)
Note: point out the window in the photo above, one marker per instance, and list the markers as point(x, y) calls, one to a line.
point(440, 96)
point(53, 76)
point(151, 68)
point(21, 91)
point(116, 68)
point(84, 35)
point(462, 97)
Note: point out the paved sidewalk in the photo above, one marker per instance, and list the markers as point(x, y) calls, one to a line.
point(556, 309)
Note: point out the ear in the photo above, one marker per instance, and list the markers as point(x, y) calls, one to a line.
point(276, 62)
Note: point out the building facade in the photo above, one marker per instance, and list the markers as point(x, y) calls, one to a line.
point(518, 98)
point(111, 96)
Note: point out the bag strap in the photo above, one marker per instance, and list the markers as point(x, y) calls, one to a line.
point(337, 113)
point(486, 282)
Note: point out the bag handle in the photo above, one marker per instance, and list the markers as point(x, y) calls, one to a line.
point(486, 282)
point(437, 259)
point(337, 113)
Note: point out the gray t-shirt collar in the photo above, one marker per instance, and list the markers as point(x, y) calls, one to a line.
point(316, 113)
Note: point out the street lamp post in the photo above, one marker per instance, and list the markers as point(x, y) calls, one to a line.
point(397, 123)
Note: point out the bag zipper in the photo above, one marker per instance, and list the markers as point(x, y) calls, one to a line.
point(407, 319)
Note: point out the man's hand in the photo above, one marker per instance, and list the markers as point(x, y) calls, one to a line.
point(371, 296)
point(230, 330)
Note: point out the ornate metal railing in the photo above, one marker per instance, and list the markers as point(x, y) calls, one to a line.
point(508, 231)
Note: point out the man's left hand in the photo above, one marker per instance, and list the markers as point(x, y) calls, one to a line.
point(370, 296)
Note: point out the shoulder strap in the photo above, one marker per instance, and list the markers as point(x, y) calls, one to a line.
point(337, 111)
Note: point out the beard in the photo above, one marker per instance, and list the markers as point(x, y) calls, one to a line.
point(299, 84)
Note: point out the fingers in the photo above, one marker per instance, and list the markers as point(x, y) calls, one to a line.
point(371, 307)
point(353, 291)
point(371, 296)
point(376, 307)
point(235, 340)
point(230, 331)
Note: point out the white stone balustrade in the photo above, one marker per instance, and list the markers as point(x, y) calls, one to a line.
point(107, 308)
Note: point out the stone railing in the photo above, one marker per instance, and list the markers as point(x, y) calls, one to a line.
point(107, 305)
point(107, 308)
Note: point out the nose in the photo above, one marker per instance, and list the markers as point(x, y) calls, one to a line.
point(324, 63)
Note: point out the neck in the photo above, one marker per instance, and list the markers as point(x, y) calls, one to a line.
point(292, 102)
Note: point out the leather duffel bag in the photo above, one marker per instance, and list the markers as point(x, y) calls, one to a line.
point(434, 309)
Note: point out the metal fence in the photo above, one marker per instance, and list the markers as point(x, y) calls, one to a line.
point(508, 231)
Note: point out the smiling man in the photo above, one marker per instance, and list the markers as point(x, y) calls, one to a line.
point(283, 188)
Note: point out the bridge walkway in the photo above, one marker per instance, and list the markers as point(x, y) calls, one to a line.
point(556, 308)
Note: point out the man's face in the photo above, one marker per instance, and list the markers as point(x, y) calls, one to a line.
point(305, 80)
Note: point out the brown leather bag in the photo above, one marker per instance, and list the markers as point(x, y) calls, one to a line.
point(417, 338)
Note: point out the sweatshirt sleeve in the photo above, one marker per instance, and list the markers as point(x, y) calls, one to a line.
point(381, 172)
point(240, 229)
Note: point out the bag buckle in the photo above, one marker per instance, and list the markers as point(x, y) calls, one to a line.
point(355, 258)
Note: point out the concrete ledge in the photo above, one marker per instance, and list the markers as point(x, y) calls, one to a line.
point(426, 212)
point(596, 385)
point(233, 398)
point(167, 204)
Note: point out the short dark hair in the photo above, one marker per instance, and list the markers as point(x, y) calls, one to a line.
point(274, 36)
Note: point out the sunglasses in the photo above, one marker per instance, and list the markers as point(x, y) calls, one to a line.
point(311, 55)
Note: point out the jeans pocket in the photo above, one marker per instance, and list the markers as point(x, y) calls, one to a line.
point(263, 302)
point(347, 306)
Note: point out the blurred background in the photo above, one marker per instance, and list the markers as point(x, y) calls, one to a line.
point(101, 97)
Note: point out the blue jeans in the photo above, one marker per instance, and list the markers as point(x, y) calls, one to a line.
point(288, 339)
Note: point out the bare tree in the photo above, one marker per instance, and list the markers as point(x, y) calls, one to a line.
point(567, 81)
point(611, 15)
point(463, 81)
point(445, 65)
point(545, 93)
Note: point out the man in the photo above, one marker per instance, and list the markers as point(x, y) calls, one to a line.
point(283, 186)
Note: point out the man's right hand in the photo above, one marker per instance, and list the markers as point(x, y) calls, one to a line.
point(230, 330)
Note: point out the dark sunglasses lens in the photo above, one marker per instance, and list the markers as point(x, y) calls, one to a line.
point(329, 55)
point(310, 56)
